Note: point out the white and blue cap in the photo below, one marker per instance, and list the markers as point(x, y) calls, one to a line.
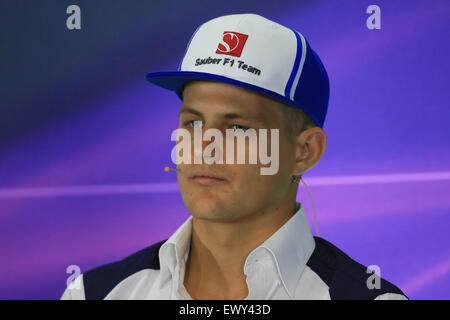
point(253, 52)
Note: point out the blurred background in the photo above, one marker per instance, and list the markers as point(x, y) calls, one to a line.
point(84, 138)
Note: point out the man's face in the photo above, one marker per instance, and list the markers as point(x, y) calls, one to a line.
point(243, 190)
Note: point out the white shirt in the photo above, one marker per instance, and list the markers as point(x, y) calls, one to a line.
point(277, 269)
point(273, 269)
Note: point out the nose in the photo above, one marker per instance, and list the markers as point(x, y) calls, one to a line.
point(208, 145)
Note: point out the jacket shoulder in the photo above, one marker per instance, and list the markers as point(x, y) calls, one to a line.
point(346, 278)
point(98, 282)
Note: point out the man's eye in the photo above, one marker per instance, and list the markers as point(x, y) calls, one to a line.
point(194, 123)
point(236, 126)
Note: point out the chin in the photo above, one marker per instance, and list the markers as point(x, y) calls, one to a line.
point(201, 204)
point(206, 206)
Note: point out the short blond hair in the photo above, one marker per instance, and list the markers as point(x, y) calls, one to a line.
point(296, 120)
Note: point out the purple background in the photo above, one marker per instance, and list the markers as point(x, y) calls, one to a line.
point(84, 138)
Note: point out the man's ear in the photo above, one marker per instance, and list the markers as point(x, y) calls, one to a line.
point(309, 148)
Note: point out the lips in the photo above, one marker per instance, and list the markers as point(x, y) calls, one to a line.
point(206, 177)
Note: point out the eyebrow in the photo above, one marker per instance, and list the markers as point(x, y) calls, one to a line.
point(231, 115)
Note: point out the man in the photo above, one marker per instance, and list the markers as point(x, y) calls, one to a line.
point(247, 237)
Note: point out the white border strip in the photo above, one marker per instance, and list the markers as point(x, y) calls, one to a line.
point(300, 67)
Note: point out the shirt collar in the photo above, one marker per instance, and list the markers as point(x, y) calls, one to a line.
point(174, 251)
point(291, 247)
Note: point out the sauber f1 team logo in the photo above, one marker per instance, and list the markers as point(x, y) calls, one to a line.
point(232, 43)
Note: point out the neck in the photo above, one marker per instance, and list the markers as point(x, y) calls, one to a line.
point(219, 250)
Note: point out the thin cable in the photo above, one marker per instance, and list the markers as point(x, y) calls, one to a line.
point(312, 204)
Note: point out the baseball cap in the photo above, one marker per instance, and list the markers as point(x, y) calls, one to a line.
point(255, 53)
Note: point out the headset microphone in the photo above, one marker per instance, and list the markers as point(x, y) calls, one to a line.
point(312, 204)
point(166, 169)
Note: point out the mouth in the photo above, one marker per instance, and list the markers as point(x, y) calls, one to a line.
point(206, 178)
